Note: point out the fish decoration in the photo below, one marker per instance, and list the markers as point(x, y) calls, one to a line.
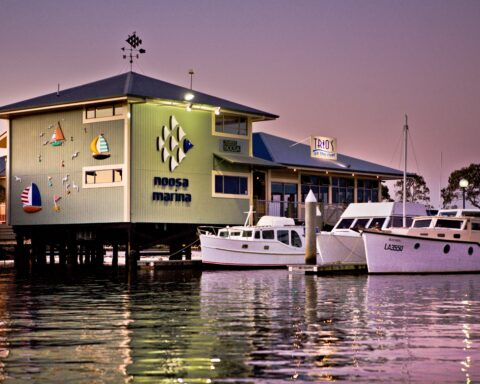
point(173, 144)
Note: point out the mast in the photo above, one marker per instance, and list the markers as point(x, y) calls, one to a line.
point(405, 138)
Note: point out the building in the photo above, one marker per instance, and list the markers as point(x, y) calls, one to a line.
point(135, 161)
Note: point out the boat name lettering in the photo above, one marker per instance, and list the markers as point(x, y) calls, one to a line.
point(393, 247)
point(170, 182)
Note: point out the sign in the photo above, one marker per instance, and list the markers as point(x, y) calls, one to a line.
point(178, 186)
point(323, 147)
point(233, 146)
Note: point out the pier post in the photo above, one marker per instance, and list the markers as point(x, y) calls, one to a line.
point(115, 255)
point(310, 233)
point(19, 258)
point(52, 254)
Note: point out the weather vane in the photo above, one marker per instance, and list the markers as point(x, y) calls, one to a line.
point(133, 53)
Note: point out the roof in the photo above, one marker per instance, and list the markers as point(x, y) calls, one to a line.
point(129, 84)
point(290, 153)
point(242, 159)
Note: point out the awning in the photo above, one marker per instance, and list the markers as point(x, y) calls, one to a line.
point(242, 159)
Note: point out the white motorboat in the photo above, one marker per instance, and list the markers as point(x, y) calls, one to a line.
point(273, 242)
point(433, 244)
point(344, 243)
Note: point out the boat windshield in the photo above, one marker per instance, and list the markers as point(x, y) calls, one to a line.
point(296, 241)
point(445, 223)
point(344, 223)
point(397, 221)
point(423, 223)
point(377, 222)
point(360, 224)
point(282, 236)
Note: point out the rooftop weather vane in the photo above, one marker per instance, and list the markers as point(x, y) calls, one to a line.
point(133, 53)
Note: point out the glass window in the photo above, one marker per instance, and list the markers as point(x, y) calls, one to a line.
point(104, 111)
point(231, 185)
point(453, 224)
point(360, 224)
point(118, 110)
point(103, 176)
point(476, 226)
point(318, 185)
point(282, 236)
point(422, 223)
point(295, 239)
point(345, 223)
point(247, 234)
point(235, 125)
point(90, 113)
point(377, 222)
point(257, 234)
point(342, 190)
point(367, 190)
point(268, 235)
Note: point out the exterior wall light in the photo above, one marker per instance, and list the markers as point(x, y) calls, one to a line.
point(463, 184)
point(189, 96)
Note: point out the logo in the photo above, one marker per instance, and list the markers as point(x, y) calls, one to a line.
point(173, 144)
point(323, 147)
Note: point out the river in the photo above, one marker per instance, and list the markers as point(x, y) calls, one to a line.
point(269, 326)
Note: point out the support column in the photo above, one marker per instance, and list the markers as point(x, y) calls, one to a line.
point(115, 255)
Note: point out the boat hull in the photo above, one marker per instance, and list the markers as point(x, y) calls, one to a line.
point(340, 248)
point(229, 252)
point(392, 253)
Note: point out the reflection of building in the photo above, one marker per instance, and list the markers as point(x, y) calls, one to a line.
point(128, 160)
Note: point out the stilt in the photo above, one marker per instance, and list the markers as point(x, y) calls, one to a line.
point(41, 253)
point(19, 258)
point(52, 254)
point(115, 255)
point(62, 255)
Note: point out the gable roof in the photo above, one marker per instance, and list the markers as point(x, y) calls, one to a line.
point(130, 84)
point(289, 153)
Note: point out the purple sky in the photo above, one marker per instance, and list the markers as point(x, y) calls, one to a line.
point(348, 69)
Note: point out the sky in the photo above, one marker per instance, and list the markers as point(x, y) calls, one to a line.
point(347, 69)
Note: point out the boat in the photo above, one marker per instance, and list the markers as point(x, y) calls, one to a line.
point(272, 242)
point(99, 148)
point(31, 199)
point(433, 244)
point(344, 245)
point(58, 137)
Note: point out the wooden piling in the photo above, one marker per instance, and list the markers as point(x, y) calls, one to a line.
point(310, 233)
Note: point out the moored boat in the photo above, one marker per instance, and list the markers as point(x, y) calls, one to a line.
point(433, 244)
point(273, 242)
point(343, 244)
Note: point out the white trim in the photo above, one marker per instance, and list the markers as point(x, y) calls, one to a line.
point(231, 196)
point(85, 120)
point(103, 168)
point(127, 164)
point(246, 137)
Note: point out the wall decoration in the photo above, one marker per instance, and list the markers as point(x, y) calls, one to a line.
point(50, 182)
point(99, 148)
point(71, 138)
point(42, 134)
point(39, 158)
point(57, 138)
point(173, 144)
point(56, 207)
point(19, 179)
point(63, 163)
point(85, 129)
point(67, 188)
point(75, 186)
point(46, 142)
point(65, 179)
point(75, 154)
point(31, 199)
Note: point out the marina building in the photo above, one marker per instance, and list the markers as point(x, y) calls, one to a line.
point(135, 161)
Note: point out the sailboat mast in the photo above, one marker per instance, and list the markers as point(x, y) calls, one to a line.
point(405, 138)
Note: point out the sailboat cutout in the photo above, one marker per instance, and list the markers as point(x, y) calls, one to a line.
point(57, 138)
point(99, 148)
point(31, 199)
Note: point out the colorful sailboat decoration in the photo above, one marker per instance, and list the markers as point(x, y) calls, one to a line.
point(57, 138)
point(173, 144)
point(31, 199)
point(99, 148)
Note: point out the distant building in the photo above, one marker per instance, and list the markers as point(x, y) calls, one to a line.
point(132, 159)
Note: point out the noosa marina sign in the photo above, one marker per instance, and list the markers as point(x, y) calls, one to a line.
point(178, 194)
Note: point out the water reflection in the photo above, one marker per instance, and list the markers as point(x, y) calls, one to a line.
point(238, 326)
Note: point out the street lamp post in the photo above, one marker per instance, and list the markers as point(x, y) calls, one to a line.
point(463, 184)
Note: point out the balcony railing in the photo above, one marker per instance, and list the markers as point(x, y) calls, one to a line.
point(330, 213)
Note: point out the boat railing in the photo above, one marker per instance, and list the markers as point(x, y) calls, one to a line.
point(208, 230)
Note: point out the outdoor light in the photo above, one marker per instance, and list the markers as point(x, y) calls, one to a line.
point(189, 96)
point(217, 111)
point(463, 184)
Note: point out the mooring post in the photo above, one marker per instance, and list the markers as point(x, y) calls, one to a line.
point(115, 255)
point(310, 233)
point(52, 254)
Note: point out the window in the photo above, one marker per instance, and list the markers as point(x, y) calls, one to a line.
point(318, 185)
point(103, 176)
point(247, 233)
point(367, 190)
point(230, 185)
point(453, 224)
point(344, 224)
point(104, 112)
point(422, 223)
point(476, 226)
point(342, 190)
point(397, 221)
point(284, 196)
point(268, 235)
point(295, 239)
point(282, 236)
point(377, 222)
point(360, 224)
point(231, 125)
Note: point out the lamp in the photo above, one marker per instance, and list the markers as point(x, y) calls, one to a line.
point(189, 96)
point(463, 184)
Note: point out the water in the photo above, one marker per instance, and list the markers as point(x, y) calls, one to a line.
point(238, 326)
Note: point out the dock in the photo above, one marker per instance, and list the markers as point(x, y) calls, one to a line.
point(328, 269)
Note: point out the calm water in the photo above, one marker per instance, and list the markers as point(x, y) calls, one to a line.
point(248, 327)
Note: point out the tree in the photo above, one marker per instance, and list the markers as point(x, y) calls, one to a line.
point(472, 192)
point(385, 193)
point(417, 190)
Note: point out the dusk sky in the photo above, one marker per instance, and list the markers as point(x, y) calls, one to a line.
point(347, 69)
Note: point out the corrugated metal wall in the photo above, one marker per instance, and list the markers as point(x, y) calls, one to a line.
point(34, 161)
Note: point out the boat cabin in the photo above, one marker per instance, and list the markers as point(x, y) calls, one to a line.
point(459, 212)
point(456, 228)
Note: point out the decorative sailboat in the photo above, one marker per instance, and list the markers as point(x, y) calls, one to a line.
point(31, 199)
point(57, 138)
point(99, 148)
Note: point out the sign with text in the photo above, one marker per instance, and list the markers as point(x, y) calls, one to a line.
point(323, 147)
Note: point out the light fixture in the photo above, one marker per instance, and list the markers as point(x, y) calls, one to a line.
point(463, 184)
point(189, 96)
point(217, 111)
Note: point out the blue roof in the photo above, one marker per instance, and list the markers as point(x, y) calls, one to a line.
point(289, 153)
point(129, 84)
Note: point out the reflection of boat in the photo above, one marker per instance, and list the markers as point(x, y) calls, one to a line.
point(433, 244)
point(99, 148)
point(57, 138)
point(31, 199)
point(273, 242)
point(344, 243)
